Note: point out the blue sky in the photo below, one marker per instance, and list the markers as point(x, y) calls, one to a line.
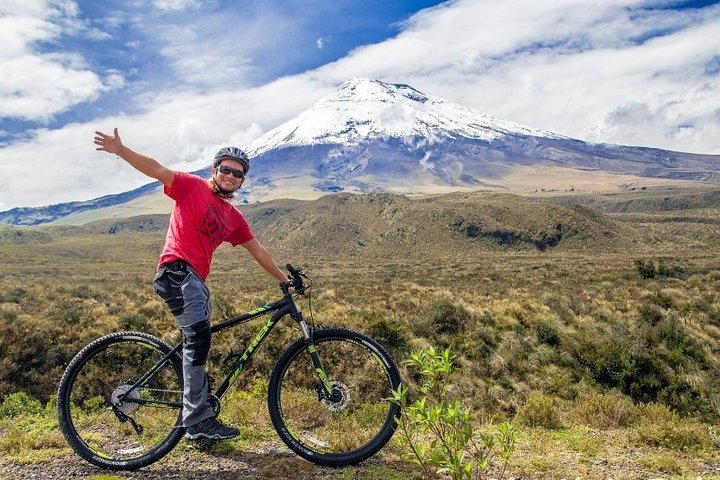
point(182, 77)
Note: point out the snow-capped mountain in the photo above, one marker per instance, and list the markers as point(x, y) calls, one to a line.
point(373, 136)
point(364, 109)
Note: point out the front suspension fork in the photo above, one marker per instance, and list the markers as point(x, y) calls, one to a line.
point(327, 390)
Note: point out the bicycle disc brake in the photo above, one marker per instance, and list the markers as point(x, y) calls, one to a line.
point(123, 401)
point(342, 402)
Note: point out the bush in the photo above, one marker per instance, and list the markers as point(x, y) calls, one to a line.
point(19, 403)
point(547, 334)
point(539, 410)
point(14, 295)
point(679, 434)
point(436, 431)
point(390, 334)
point(443, 317)
point(603, 410)
point(658, 412)
point(649, 269)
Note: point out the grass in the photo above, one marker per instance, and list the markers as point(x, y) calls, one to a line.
point(575, 344)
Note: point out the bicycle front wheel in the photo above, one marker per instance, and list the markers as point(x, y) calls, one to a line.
point(353, 425)
point(109, 419)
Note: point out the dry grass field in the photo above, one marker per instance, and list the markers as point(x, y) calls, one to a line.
point(591, 322)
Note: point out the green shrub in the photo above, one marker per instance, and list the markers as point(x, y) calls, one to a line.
point(540, 410)
point(547, 334)
point(390, 334)
point(69, 311)
point(708, 307)
point(603, 410)
point(19, 403)
point(134, 321)
point(662, 464)
point(650, 269)
point(442, 323)
point(679, 435)
point(435, 430)
point(657, 412)
point(13, 295)
point(645, 269)
point(8, 315)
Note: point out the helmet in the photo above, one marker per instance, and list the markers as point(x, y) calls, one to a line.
point(233, 153)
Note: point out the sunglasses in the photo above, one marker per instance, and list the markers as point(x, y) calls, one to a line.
point(237, 173)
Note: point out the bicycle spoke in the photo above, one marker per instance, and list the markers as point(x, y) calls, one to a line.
point(109, 419)
point(344, 429)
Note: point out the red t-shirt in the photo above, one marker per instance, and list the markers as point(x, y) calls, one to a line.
point(199, 223)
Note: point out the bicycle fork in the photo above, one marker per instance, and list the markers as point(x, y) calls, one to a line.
point(327, 391)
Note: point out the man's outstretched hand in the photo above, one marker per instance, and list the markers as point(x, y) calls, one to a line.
point(107, 143)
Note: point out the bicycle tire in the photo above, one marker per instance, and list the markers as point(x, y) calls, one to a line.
point(96, 378)
point(339, 433)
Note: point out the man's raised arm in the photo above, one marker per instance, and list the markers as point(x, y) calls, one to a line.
point(144, 164)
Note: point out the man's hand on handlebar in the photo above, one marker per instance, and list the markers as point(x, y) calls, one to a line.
point(295, 280)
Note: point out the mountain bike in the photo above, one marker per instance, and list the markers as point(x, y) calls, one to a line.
point(119, 401)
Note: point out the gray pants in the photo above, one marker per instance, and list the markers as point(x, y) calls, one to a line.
point(189, 300)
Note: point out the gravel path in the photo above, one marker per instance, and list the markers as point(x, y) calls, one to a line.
point(269, 462)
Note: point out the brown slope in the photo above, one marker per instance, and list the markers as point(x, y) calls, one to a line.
point(387, 225)
point(395, 226)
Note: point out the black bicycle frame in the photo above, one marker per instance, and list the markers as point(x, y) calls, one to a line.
point(282, 307)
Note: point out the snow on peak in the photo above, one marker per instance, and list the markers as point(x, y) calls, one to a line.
point(364, 108)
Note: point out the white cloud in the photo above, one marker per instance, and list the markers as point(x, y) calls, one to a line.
point(575, 67)
point(34, 85)
point(564, 66)
point(177, 5)
point(182, 130)
point(221, 48)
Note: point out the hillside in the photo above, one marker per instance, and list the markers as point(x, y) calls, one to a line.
point(389, 225)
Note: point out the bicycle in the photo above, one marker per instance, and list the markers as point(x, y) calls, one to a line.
point(120, 398)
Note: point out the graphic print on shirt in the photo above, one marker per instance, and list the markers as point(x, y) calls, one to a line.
point(213, 226)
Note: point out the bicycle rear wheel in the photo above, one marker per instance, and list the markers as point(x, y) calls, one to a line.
point(105, 420)
point(349, 428)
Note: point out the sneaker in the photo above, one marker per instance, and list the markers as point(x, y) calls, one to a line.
point(211, 428)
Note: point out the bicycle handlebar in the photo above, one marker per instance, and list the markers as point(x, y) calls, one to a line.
point(296, 281)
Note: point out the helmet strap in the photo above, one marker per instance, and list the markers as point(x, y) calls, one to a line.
point(219, 191)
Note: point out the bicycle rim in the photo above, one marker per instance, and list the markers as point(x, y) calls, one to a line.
point(359, 422)
point(106, 421)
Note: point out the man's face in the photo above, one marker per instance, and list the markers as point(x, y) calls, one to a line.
point(225, 174)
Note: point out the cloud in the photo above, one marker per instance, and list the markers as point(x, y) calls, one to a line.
point(614, 71)
point(562, 65)
point(222, 47)
point(182, 130)
point(177, 5)
point(321, 42)
point(36, 85)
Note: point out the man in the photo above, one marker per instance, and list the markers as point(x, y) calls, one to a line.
point(202, 218)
